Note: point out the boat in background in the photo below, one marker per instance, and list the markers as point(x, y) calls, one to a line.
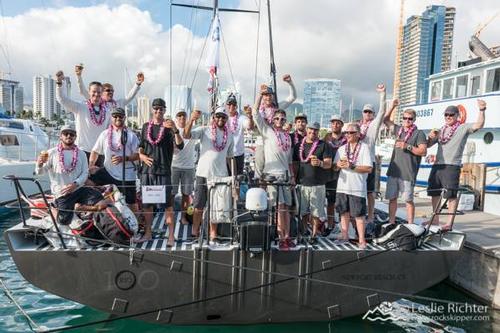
point(478, 78)
point(21, 141)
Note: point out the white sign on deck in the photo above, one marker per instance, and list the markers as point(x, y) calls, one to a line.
point(153, 194)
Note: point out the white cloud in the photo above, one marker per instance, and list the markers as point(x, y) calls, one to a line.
point(352, 41)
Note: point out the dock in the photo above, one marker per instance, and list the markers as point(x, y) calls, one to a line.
point(477, 271)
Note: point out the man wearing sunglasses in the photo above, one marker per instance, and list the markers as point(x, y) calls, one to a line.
point(159, 138)
point(109, 144)
point(278, 162)
point(183, 165)
point(108, 90)
point(216, 150)
point(267, 107)
point(445, 173)
point(67, 167)
point(369, 130)
point(355, 163)
point(410, 146)
point(312, 158)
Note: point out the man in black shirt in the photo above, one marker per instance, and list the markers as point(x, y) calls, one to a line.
point(312, 160)
point(300, 123)
point(156, 150)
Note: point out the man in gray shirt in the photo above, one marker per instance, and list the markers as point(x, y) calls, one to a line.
point(445, 173)
point(410, 146)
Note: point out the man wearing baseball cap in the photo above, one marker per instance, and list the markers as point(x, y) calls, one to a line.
point(216, 146)
point(369, 129)
point(445, 172)
point(183, 165)
point(237, 124)
point(336, 140)
point(312, 158)
point(300, 123)
point(68, 170)
point(159, 138)
point(109, 144)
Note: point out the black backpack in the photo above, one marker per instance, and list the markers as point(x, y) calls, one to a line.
point(403, 237)
point(109, 222)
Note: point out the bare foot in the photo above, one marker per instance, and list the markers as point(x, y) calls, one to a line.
point(184, 220)
point(171, 242)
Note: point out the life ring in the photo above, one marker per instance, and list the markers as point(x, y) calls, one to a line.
point(462, 115)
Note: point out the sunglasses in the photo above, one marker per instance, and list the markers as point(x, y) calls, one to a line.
point(280, 119)
point(350, 132)
point(407, 118)
point(367, 111)
point(71, 134)
point(218, 116)
point(118, 116)
point(109, 90)
point(158, 108)
point(449, 115)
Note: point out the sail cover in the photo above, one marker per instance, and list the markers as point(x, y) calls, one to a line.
point(212, 61)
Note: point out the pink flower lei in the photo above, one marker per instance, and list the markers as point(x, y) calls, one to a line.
point(267, 113)
point(408, 132)
point(74, 158)
point(353, 157)
point(296, 138)
point(213, 132)
point(340, 142)
point(110, 140)
point(149, 135)
point(364, 126)
point(233, 124)
point(102, 112)
point(283, 144)
point(311, 151)
point(445, 137)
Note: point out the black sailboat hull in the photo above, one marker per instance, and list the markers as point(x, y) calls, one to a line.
point(231, 286)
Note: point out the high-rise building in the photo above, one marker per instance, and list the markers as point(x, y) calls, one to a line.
point(143, 110)
point(321, 100)
point(181, 99)
point(11, 96)
point(426, 49)
point(44, 96)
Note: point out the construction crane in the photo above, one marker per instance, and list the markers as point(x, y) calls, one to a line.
point(477, 46)
point(397, 64)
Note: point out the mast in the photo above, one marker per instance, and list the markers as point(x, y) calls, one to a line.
point(271, 54)
point(397, 67)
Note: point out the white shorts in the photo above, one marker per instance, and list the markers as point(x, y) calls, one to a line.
point(313, 201)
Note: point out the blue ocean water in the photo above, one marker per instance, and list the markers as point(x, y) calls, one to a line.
point(51, 311)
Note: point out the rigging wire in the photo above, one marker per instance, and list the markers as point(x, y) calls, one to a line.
point(5, 49)
point(31, 323)
point(188, 50)
point(256, 52)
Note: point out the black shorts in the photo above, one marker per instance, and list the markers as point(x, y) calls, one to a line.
point(82, 195)
point(149, 179)
point(370, 180)
point(102, 177)
point(200, 193)
point(444, 176)
point(100, 159)
point(240, 163)
point(355, 206)
point(331, 191)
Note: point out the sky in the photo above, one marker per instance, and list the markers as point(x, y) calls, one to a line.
point(354, 41)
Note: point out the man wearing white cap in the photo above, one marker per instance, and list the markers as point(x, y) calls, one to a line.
point(369, 129)
point(68, 170)
point(216, 146)
point(183, 165)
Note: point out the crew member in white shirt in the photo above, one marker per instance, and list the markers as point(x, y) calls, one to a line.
point(183, 165)
point(109, 144)
point(67, 167)
point(237, 124)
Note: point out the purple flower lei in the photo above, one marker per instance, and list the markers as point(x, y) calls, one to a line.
point(213, 132)
point(74, 158)
point(311, 151)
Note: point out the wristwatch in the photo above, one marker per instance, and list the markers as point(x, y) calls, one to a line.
point(176, 131)
point(409, 148)
point(352, 167)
